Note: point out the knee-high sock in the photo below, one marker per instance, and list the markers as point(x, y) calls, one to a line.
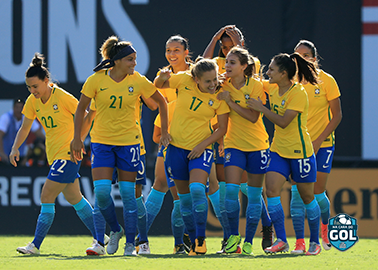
point(85, 212)
point(265, 218)
point(102, 189)
point(297, 212)
point(177, 223)
point(142, 219)
point(278, 218)
point(223, 212)
point(153, 205)
point(130, 209)
point(200, 206)
point(253, 212)
point(313, 215)
point(99, 223)
point(233, 207)
point(45, 219)
point(215, 201)
point(244, 188)
point(187, 215)
point(324, 205)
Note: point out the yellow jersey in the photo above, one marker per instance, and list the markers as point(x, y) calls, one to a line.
point(319, 111)
point(57, 119)
point(241, 133)
point(115, 121)
point(194, 109)
point(293, 141)
point(171, 108)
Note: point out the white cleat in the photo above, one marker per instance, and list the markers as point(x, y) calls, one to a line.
point(130, 250)
point(144, 248)
point(113, 242)
point(96, 249)
point(29, 249)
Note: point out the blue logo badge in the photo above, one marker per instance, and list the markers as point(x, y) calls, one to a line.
point(342, 231)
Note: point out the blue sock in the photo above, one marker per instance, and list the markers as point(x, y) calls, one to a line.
point(130, 209)
point(233, 207)
point(177, 223)
point(313, 215)
point(214, 199)
point(102, 189)
point(200, 206)
point(99, 223)
point(297, 212)
point(324, 205)
point(223, 212)
point(244, 188)
point(142, 219)
point(85, 212)
point(187, 215)
point(45, 219)
point(253, 212)
point(265, 218)
point(278, 218)
point(153, 205)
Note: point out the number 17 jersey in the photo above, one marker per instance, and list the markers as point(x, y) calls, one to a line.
point(194, 109)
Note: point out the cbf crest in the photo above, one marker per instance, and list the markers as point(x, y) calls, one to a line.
point(131, 89)
point(342, 231)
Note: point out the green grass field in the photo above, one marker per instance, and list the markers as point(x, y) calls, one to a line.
point(68, 252)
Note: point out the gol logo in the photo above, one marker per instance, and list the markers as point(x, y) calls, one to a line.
point(342, 231)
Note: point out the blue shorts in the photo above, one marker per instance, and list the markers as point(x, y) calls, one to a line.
point(162, 151)
point(141, 175)
point(324, 159)
point(64, 171)
point(218, 159)
point(179, 166)
point(301, 170)
point(126, 158)
point(255, 162)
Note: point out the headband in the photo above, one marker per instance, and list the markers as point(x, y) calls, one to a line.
point(108, 63)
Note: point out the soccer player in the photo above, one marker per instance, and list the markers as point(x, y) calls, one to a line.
point(177, 55)
point(230, 36)
point(246, 146)
point(189, 157)
point(324, 115)
point(100, 223)
point(291, 149)
point(115, 137)
point(54, 108)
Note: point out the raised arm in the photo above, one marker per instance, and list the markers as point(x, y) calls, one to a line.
point(281, 121)
point(248, 114)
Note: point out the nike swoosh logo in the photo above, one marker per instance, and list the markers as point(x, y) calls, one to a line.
point(303, 176)
point(138, 179)
point(103, 89)
point(132, 211)
point(325, 167)
point(136, 165)
point(186, 88)
point(206, 165)
point(262, 168)
point(54, 174)
point(37, 110)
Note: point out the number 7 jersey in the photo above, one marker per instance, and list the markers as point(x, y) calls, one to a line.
point(57, 118)
point(194, 109)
